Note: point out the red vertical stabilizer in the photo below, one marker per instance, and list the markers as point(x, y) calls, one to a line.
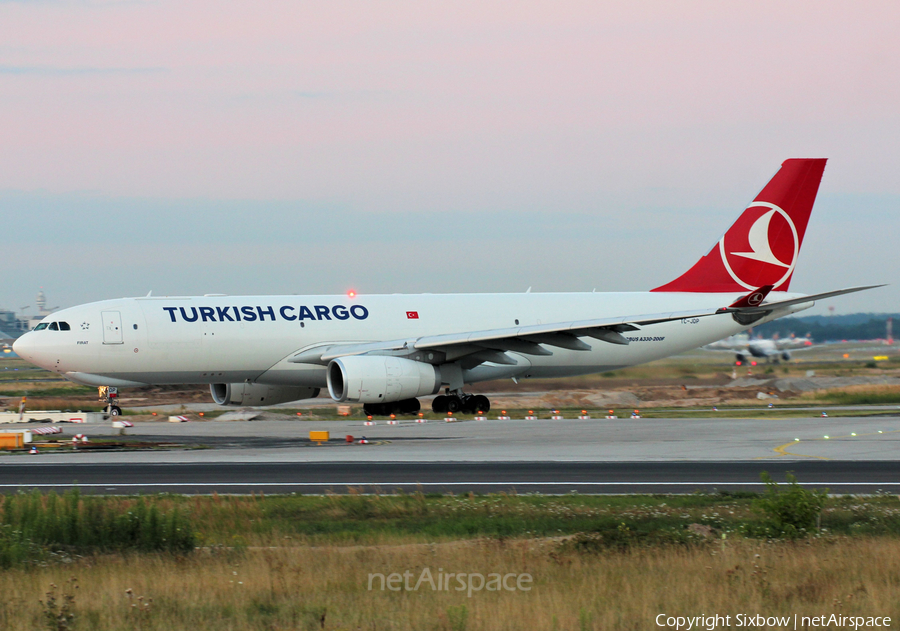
point(762, 246)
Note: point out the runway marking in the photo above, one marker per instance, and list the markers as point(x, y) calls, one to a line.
point(521, 483)
point(781, 449)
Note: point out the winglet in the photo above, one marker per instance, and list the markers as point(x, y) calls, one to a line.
point(753, 299)
point(762, 246)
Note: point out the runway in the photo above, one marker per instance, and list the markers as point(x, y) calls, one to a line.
point(459, 477)
point(845, 455)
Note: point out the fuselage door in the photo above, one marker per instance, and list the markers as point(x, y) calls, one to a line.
point(112, 327)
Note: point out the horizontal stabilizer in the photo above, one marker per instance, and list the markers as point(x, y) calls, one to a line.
point(767, 307)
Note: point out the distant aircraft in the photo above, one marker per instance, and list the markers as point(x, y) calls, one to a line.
point(384, 351)
point(772, 350)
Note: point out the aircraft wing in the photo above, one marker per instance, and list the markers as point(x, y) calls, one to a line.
point(491, 344)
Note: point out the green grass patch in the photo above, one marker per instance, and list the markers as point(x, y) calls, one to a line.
point(862, 398)
point(33, 523)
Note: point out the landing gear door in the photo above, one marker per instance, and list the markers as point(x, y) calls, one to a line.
point(112, 327)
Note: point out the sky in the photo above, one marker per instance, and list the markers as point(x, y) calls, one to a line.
point(316, 147)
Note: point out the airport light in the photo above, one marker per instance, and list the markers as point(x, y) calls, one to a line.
point(351, 293)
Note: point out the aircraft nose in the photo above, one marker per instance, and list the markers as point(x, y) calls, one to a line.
point(23, 346)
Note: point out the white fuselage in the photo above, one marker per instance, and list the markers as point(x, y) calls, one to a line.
point(229, 339)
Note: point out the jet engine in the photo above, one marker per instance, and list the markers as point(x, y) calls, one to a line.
point(258, 394)
point(380, 379)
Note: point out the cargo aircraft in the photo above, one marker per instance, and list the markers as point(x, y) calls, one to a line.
point(772, 350)
point(385, 351)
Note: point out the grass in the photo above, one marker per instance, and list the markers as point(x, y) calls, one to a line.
point(354, 519)
point(35, 523)
point(863, 395)
point(328, 587)
point(304, 562)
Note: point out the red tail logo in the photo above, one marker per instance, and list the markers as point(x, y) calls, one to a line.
point(762, 246)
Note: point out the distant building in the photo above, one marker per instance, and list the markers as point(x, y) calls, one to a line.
point(12, 325)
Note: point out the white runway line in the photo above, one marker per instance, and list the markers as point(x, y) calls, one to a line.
point(522, 483)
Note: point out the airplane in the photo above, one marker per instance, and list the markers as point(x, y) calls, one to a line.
point(772, 350)
point(385, 351)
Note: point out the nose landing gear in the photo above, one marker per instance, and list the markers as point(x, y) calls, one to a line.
point(109, 396)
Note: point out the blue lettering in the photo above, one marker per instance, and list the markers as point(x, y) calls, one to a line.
point(340, 312)
point(305, 313)
point(249, 314)
point(223, 314)
point(322, 312)
point(171, 311)
point(208, 314)
point(263, 312)
point(237, 314)
point(363, 312)
point(285, 315)
point(193, 313)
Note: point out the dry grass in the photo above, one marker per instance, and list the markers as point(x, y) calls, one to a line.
point(857, 395)
point(291, 588)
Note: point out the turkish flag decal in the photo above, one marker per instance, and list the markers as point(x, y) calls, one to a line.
point(412, 315)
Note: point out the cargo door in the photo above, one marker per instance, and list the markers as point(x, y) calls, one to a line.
point(112, 327)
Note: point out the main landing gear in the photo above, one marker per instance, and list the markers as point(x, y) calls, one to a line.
point(406, 406)
point(109, 396)
point(461, 402)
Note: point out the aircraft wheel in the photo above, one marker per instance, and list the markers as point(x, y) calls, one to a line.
point(408, 406)
point(115, 411)
point(373, 409)
point(481, 403)
point(454, 404)
point(439, 405)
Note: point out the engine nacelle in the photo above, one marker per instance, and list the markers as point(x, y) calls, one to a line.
point(258, 394)
point(380, 379)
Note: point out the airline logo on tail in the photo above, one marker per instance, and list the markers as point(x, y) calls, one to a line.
point(765, 235)
point(761, 247)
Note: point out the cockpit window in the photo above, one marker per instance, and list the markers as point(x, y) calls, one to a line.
point(53, 326)
point(64, 326)
point(41, 326)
